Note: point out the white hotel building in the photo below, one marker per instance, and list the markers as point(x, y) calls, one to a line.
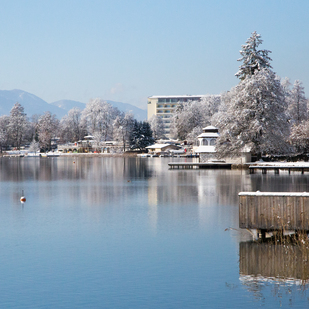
point(164, 106)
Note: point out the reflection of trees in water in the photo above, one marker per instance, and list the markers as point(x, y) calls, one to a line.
point(280, 183)
point(72, 168)
point(282, 266)
point(91, 181)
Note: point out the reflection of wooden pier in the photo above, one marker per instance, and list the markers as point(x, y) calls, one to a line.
point(268, 261)
point(210, 165)
point(262, 212)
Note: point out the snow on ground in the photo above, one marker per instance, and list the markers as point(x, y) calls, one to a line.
point(283, 164)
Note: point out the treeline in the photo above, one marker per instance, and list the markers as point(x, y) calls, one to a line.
point(262, 114)
point(99, 119)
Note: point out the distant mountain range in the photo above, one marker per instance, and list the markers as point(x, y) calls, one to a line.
point(35, 105)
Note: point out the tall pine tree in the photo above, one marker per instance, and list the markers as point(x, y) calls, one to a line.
point(252, 58)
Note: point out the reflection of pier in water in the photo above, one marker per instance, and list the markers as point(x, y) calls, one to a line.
point(259, 262)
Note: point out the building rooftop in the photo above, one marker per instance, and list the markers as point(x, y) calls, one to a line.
point(177, 96)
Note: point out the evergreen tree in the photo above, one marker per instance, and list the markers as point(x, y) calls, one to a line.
point(141, 135)
point(252, 58)
point(253, 116)
point(146, 134)
point(298, 103)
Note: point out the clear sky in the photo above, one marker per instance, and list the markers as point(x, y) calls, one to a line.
point(127, 50)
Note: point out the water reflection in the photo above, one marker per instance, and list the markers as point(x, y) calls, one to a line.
point(93, 181)
point(282, 266)
point(71, 168)
point(269, 261)
point(126, 232)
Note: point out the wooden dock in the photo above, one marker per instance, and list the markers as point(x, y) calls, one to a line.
point(211, 165)
point(277, 168)
point(263, 212)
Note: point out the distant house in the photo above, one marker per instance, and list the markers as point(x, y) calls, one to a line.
point(163, 148)
point(207, 143)
point(207, 147)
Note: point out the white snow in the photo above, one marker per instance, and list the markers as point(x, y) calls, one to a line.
point(258, 193)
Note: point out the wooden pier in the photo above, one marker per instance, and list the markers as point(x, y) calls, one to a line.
point(277, 168)
point(211, 165)
point(263, 212)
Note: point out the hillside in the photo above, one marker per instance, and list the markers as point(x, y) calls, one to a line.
point(35, 105)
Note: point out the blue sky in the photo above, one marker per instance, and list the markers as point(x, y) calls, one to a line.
point(128, 50)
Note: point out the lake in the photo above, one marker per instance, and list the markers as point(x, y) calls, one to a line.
point(120, 232)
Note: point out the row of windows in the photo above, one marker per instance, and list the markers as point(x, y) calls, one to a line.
point(175, 100)
point(166, 106)
point(165, 116)
point(208, 142)
point(167, 111)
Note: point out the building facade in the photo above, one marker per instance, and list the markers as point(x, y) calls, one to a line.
point(164, 107)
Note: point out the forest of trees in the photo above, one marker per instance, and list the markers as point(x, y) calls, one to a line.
point(99, 119)
point(262, 113)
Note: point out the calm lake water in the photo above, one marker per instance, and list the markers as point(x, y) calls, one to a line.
point(130, 233)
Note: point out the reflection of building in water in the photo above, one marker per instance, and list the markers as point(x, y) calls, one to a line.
point(153, 202)
point(200, 191)
point(269, 262)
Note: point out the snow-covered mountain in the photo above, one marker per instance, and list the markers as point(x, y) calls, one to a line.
point(31, 103)
point(35, 105)
point(138, 113)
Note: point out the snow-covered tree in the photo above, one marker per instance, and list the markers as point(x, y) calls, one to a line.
point(298, 103)
point(192, 114)
point(4, 132)
point(141, 135)
point(192, 136)
point(252, 58)
point(253, 115)
point(33, 127)
point(34, 146)
point(157, 127)
point(17, 125)
point(123, 126)
point(299, 137)
point(72, 127)
point(48, 126)
point(98, 117)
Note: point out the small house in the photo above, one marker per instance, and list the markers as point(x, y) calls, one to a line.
point(207, 144)
point(207, 148)
point(159, 149)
